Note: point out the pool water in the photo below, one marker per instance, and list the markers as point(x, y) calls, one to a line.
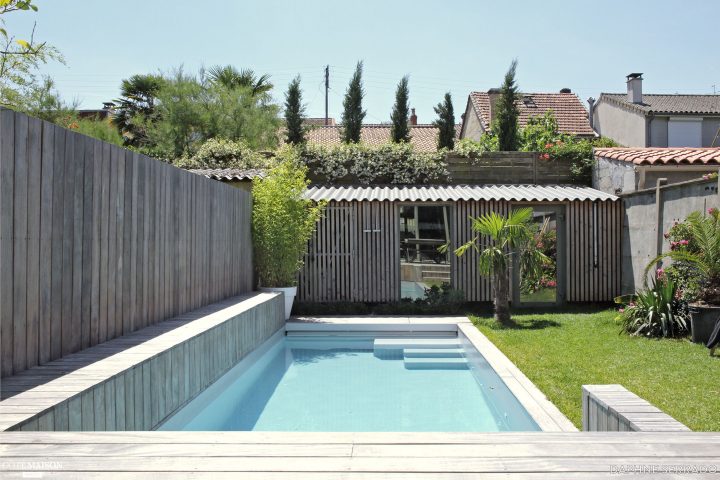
point(337, 384)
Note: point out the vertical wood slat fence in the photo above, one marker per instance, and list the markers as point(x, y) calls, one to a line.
point(97, 241)
point(354, 255)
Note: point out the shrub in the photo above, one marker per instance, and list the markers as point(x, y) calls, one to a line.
point(390, 163)
point(654, 312)
point(282, 222)
point(223, 153)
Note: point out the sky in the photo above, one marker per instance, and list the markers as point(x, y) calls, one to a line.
point(454, 45)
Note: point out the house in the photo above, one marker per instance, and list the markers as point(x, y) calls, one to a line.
point(571, 116)
point(380, 243)
point(423, 137)
point(622, 170)
point(635, 119)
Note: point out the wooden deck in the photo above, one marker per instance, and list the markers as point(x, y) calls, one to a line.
point(296, 456)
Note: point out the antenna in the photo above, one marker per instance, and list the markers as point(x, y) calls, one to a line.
point(327, 87)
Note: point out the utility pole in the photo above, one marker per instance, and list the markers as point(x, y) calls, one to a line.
point(327, 87)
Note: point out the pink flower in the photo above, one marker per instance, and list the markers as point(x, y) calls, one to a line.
point(621, 310)
point(712, 211)
point(683, 242)
point(545, 156)
point(548, 145)
point(660, 273)
point(551, 284)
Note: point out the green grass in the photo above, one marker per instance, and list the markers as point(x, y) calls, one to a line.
point(560, 351)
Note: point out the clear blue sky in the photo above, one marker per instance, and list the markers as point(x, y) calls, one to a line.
point(455, 46)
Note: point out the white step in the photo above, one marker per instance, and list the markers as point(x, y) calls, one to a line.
point(402, 343)
point(433, 353)
point(436, 364)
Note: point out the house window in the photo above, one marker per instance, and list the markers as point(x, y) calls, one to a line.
point(685, 132)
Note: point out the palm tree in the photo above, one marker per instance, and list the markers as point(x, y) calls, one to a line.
point(705, 254)
point(504, 238)
point(230, 77)
point(138, 95)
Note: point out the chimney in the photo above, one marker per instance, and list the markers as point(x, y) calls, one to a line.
point(565, 90)
point(413, 117)
point(634, 88)
point(591, 107)
point(493, 96)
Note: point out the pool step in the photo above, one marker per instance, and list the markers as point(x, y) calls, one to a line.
point(412, 343)
point(436, 364)
point(433, 353)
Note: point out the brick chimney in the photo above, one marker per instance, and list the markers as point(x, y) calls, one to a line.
point(493, 96)
point(413, 117)
point(634, 88)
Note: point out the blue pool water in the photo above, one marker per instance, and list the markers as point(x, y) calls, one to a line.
point(328, 383)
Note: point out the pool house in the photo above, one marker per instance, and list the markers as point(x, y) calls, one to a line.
point(381, 243)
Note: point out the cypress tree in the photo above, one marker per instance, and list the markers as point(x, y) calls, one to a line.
point(294, 113)
point(400, 131)
point(445, 123)
point(353, 114)
point(507, 117)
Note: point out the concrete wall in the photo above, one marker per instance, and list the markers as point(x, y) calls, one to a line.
point(614, 175)
point(625, 127)
point(644, 226)
point(659, 132)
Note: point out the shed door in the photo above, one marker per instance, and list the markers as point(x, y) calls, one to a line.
point(545, 285)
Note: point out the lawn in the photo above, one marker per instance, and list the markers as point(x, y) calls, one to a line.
point(560, 351)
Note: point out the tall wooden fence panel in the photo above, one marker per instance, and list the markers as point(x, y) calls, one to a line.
point(508, 168)
point(97, 241)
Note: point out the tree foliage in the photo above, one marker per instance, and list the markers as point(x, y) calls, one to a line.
point(283, 221)
point(189, 110)
point(353, 114)
point(223, 153)
point(294, 114)
point(507, 116)
point(400, 131)
point(445, 123)
point(231, 78)
point(136, 107)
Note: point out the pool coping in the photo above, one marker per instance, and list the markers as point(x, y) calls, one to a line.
point(548, 417)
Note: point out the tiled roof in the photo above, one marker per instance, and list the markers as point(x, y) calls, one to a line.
point(229, 174)
point(451, 193)
point(423, 137)
point(652, 156)
point(319, 121)
point(669, 104)
point(571, 116)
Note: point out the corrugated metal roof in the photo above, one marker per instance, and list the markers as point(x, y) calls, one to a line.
point(229, 174)
point(451, 193)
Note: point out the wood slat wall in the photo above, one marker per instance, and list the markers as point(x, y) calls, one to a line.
point(97, 241)
point(353, 256)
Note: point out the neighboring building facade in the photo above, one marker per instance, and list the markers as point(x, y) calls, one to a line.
point(634, 119)
point(571, 116)
point(624, 170)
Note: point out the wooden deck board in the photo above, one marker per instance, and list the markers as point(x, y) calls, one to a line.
point(299, 455)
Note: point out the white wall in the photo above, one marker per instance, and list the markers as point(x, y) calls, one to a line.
point(472, 128)
point(611, 176)
point(625, 127)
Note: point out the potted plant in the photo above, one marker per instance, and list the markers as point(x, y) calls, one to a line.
point(698, 256)
point(283, 221)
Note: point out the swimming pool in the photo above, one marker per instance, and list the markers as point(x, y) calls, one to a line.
point(357, 383)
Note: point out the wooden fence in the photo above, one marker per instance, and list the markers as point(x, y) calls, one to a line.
point(97, 241)
point(508, 168)
point(354, 255)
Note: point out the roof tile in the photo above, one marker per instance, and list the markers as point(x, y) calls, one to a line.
point(657, 155)
point(423, 137)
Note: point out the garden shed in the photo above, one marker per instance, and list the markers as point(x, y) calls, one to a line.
point(380, 243)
